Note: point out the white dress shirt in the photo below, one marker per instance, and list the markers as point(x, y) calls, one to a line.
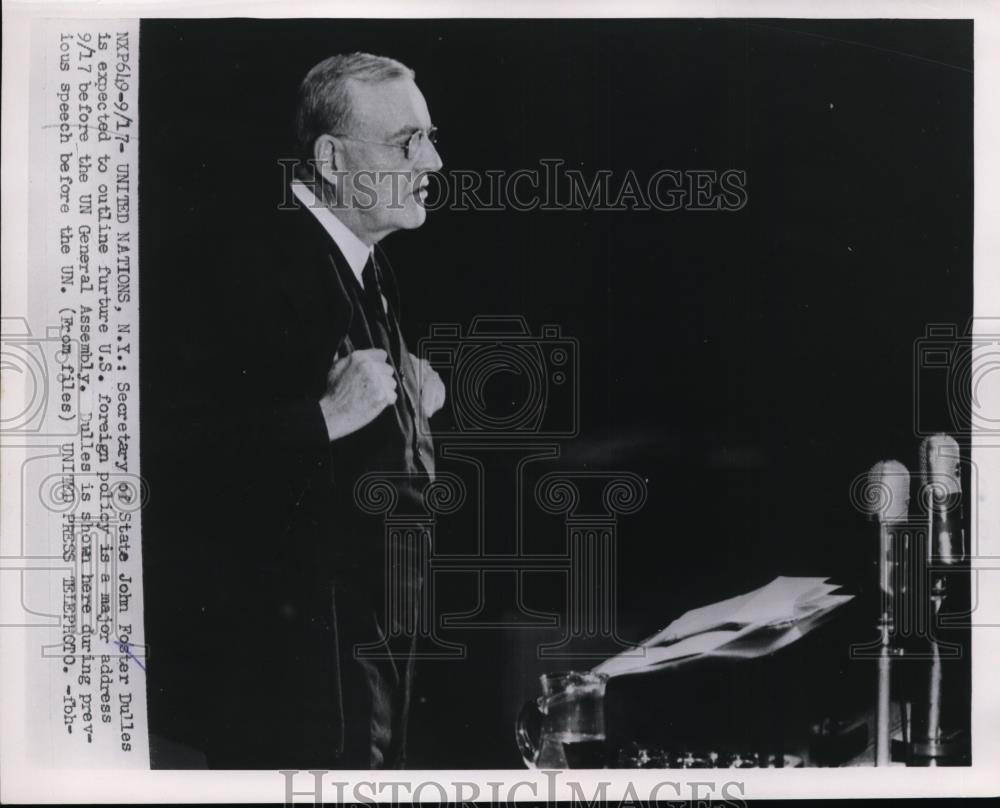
point(354, 249)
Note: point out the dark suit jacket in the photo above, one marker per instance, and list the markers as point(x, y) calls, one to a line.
point(264, 572)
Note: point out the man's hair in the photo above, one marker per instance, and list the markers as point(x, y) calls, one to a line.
point(324, 104)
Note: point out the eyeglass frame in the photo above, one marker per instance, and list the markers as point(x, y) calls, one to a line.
point(409, 149)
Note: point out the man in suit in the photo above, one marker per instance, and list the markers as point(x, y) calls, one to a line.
point(366, 133)
point(316, 388)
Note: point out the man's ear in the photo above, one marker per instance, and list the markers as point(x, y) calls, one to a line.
point(328, 157)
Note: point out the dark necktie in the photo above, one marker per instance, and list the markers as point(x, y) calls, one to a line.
point(381, 320)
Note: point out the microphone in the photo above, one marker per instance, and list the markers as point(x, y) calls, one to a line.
point(889, 484)
point(941, 488)
point(892, 480)
point(941, 496)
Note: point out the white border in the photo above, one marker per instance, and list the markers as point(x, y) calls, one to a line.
point(20, 783)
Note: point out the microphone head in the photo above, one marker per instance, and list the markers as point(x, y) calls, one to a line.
point(889, 491)
point(939, 465)
point(941, 494)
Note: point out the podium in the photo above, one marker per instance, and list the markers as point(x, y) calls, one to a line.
point(767, 706)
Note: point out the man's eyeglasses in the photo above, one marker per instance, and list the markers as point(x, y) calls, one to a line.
point(411, 148)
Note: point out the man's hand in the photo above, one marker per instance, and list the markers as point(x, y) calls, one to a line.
point(358, 388)
point(431, 387)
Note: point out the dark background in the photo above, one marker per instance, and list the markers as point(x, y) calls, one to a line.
point(748, 364)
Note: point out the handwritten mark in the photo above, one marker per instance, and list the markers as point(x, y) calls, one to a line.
point(125, 648)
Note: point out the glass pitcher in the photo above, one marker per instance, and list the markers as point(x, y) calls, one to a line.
point(564, 728)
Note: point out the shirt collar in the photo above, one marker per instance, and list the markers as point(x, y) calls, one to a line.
point(355, 251)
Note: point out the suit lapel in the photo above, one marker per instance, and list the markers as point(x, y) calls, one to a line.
point(325, 262)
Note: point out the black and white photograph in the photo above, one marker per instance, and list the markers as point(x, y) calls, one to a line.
point(593, 402)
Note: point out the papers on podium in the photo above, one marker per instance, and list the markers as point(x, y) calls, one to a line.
point(746, 626)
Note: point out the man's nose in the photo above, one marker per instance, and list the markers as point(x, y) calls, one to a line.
point(429, 159)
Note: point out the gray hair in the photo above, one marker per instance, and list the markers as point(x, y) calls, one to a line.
point(324, 104)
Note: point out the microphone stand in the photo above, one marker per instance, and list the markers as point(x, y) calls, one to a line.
point(889, 487)
point(934, 738)
point(930, 741)
point(885, 627)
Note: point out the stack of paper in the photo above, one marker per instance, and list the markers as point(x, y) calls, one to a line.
point(750, 625)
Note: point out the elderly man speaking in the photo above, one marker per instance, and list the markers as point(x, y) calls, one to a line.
point(328, 392)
